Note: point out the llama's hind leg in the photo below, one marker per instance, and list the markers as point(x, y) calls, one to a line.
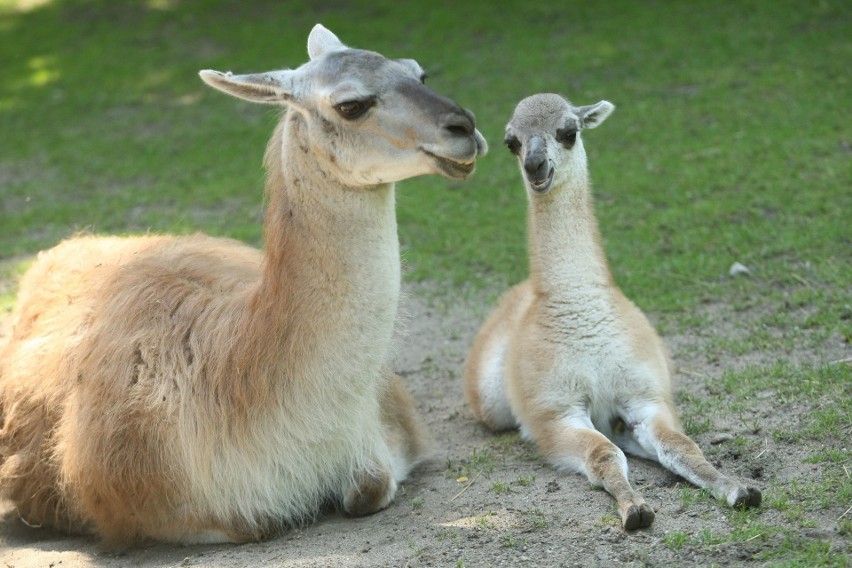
point(485, 383)
point(577, 446)
point(403, 429)
point(29, 476)
point(654, 429)
point(374, 487)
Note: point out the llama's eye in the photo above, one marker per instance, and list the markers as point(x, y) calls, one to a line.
point(513, 144)
point(567, 137)
point(351, 110)
point(423, 77)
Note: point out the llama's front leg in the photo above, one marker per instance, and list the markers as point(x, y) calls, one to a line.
point(582, 449)
point(656, 432)
point(373, 489)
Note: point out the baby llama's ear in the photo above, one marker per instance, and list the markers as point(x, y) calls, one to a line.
point(274, 87)
point(322, 41)
point(592, 116)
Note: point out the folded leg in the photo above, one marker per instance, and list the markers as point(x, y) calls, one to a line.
point(374, 487)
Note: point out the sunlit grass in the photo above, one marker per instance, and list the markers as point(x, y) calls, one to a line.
point(21, 6)
point(10, 271)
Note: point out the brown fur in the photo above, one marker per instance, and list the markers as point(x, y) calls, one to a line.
point(194, 389)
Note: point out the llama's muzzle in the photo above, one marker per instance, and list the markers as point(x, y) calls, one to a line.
point(537, 166)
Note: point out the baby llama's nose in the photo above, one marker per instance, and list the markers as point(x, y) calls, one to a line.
point(536, 166)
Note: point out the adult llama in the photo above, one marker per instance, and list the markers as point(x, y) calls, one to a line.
point(194, 389)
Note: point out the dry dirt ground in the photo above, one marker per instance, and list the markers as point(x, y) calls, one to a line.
point(488, 500)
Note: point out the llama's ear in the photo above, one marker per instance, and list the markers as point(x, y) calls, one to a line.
point(274, 87)
point(322, 41)
point(593, 115)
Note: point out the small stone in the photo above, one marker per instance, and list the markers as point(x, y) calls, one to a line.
point(738, 269)
point(719, 438)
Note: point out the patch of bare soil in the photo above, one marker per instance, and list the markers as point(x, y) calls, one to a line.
point(488, 500)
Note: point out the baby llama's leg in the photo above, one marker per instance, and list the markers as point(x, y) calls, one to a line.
point(656, 431)
point(574, 445)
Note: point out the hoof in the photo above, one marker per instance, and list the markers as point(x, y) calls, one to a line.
point(637, 517)
point(369, 494)
point(745, 497)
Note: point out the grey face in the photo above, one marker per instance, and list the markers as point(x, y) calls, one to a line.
point(538, 125)
point(381, 123)
point(544, 132)
point(370, 119)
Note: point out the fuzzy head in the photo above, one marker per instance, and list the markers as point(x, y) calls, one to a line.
point(544, 134)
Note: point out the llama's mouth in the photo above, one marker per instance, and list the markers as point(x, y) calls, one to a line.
point(452, 168)
point(457, 168)
point(542, 185)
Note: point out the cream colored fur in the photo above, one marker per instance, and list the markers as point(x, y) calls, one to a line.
point(194, 389)
point(566, 356)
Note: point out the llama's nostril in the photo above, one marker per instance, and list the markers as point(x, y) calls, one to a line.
point(460, 129)
point(460, 124)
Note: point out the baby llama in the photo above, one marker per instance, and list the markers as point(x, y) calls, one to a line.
point(566, 356)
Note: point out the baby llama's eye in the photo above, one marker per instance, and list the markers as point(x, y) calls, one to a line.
point(567, 137)
point(513, 144)
point(353, 109)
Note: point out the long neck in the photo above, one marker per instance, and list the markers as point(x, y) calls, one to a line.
point(327, 297)
point(564, 241)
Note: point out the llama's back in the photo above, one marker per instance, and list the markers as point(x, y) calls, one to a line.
point(68, 286)
point(72, 292)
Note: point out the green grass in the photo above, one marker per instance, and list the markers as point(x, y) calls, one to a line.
point(9, 270)
point(524, 481)
point(484, 521)
point(779, 547)
point(731, 142)
point(480, 461)
point(814, 404)
point(826, 390)
point(448, 534)
point(513, 541)
point(534, 520)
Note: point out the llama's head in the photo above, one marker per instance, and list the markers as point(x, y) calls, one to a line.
point(367, 119)
point(544, 134)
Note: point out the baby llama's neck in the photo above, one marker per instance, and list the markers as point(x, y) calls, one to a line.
point(566, 255)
